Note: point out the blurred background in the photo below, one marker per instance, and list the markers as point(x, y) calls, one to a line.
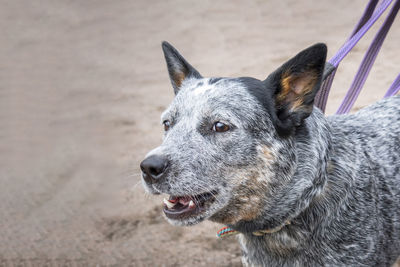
point(82, 87)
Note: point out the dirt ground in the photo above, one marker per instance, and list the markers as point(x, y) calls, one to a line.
point(82, 86)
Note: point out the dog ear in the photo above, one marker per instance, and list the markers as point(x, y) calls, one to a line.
point(295, 85)
point(178, 68)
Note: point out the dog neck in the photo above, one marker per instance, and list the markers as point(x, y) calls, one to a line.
point(319, 205)
point(312, 143)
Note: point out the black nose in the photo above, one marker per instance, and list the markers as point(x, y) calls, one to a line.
point(153, 168)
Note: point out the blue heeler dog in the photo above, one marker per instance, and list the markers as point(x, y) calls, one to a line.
point(302, 189)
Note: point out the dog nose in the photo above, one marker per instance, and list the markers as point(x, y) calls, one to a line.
point(153, 168)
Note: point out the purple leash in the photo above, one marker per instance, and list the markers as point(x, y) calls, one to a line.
point(367, 62)
point(330, 71)
point(365, 23)
point(394, 88)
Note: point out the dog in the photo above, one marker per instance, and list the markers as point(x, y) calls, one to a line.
point(300, 188)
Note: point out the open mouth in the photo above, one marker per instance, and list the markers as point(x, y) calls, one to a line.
point(181, 207)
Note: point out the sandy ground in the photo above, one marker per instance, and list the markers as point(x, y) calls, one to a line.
point(82, 85)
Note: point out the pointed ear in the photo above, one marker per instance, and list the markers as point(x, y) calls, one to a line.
point(295, 85)
point(178, 68)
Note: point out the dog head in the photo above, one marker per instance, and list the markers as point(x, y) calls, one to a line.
point(229, 149)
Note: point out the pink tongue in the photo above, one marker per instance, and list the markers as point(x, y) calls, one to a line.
point(173, 199)
point(184, 200)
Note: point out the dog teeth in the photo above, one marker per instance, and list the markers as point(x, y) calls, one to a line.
point(191, 204)
point(169, 204)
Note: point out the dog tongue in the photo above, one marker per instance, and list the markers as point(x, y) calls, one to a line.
point(173, 199)
point(184, 200)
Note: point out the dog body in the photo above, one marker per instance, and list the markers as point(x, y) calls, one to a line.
point(355, 219)
point(256, 156)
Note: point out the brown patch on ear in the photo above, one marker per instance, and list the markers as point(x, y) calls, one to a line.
point(294, 88)
point(178, 78)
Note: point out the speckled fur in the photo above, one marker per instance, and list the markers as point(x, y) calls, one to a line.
point(335, 178)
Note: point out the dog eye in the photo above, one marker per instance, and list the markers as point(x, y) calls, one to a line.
point(166, 124)
point(220, 127)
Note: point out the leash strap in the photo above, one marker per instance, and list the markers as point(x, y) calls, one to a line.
point(322, 96)
point(367, 62)
point(365, 23)
point(394, 88)
point(369, 10)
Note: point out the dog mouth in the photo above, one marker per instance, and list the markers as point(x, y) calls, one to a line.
point(183, 207)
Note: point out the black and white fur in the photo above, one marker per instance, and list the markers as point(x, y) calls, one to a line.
point(336, 179)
